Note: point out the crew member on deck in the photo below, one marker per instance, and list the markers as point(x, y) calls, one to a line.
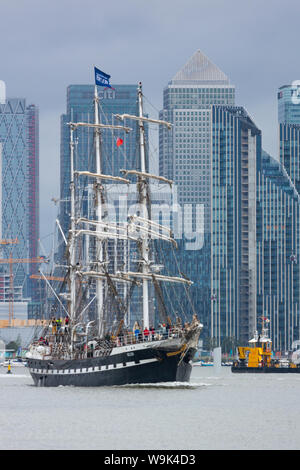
point(136, 331)
point(66, 323)
point(53, 323)
point(146, 334)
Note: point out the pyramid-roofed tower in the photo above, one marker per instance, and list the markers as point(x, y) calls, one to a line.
point(200, 68)
point(185, 157)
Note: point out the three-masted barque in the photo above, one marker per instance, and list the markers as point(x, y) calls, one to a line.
point(83, 352)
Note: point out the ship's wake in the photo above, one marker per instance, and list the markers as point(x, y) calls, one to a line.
point(13, 376)
point(167, 385)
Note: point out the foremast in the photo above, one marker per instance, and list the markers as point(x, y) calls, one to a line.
point(100, 228)
point(143, 200)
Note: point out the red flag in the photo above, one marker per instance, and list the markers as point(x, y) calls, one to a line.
point(119, 142)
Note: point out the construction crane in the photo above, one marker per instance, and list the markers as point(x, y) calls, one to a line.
point(9, 241)
point(49, 278)
point(10, 261)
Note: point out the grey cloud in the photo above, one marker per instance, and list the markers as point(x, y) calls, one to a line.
point(45, 46)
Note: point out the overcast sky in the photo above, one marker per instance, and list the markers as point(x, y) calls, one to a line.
point(45, 46)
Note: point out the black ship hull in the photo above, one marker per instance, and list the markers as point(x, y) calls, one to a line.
point(136, 364)
point(265, 370)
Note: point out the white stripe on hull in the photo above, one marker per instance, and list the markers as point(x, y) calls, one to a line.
point(87, 370)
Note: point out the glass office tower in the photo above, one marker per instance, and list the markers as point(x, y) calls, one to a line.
point(184, 157)
point(20, 187)
point(185, 151)
point(255, 236)
point(33, 196)
point(288, 98)
point(236, 147)
point(278, 211)
point(289, 154)
point(289, 130)
point(289, 151)
point(80, 107)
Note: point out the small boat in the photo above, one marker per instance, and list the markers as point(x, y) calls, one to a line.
point(17, 363)
point(257, 357)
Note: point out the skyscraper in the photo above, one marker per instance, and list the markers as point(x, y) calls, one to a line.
point(289, 154)
point(185, 151)
point(236, 148)
point(122, 99)
point(33, 194)
point(289, 130)
point(255, 235)
point(288, 98)
point(185, 158)
point(278, 216)
point(20, 185)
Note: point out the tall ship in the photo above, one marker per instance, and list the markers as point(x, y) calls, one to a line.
point(103, 348)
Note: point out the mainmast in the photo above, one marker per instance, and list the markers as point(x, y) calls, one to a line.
point(102, 231)
point(145, 215)
point(146, 226)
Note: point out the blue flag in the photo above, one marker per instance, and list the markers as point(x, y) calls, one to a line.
point(101, 78)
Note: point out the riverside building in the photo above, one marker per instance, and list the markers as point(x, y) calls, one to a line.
point(255, 235)
point(278, 211)
point(236, 148)
point(289, 155)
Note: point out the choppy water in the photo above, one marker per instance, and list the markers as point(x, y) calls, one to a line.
point(217, 410)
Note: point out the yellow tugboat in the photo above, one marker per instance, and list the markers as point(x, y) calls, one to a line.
point(257, 357)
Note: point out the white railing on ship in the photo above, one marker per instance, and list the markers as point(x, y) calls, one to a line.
point(134, 338)
point(59, 340)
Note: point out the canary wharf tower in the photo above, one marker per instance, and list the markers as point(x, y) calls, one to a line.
point(185, 152)
point(185, 158)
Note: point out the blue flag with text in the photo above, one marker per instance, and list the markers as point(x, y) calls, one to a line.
point(101, 78)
